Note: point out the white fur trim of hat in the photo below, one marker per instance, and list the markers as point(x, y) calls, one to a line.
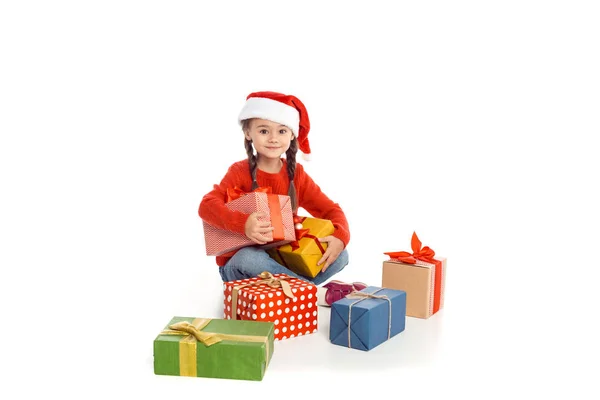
point(272, 110)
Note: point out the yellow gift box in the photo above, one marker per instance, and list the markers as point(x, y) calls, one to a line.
point(302, 255)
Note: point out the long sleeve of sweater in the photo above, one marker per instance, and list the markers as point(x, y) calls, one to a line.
point(212, 208)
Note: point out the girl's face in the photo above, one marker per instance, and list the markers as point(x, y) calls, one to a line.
point(270, 139)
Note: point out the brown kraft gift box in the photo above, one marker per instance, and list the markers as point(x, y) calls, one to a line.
point(420, 275)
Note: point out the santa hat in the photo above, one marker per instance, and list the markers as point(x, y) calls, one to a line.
point(281, 108)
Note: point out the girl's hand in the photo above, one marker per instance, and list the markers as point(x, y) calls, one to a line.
point(255, 229)
point(334, 247)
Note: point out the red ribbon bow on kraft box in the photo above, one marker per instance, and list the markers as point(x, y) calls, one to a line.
point(279, 214)
point(420, 275)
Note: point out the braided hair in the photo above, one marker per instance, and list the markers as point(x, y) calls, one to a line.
point(290, 156)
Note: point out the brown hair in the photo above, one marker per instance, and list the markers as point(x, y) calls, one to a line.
point(290, 156)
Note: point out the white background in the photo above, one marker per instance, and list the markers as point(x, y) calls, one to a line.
point(469, 122)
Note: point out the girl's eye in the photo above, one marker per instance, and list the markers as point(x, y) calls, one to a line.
point(283, 131)
point(263, 131)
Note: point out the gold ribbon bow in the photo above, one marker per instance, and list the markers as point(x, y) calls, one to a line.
point(266, 279)
point(363, 296)
point(206, 338)
point(194, 334)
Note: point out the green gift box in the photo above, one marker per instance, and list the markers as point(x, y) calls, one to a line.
point(214, 348)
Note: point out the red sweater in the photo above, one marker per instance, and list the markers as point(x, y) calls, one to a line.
point(310, 197)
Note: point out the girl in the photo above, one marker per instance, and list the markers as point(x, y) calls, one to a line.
point(273, 124)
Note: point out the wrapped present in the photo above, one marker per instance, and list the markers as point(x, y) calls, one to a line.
point(365, 319)
point(302, 255)
point(214, 348)
point(289, 303)
point(279, 214)
point(420, 275)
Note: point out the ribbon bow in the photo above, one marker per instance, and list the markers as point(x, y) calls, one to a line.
point(362, 295)
point(300, 233)
point(270, 280)
point(267, 278)
point(206, 338)
point(236, 192)
point(419, 253)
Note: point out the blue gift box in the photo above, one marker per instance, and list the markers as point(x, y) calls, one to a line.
point(365, 319)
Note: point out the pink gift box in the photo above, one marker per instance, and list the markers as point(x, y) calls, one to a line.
point(279, 214)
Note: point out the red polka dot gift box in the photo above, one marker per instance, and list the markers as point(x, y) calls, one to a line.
point(289, 303)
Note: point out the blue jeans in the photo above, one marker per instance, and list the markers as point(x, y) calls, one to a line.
point(250, 261)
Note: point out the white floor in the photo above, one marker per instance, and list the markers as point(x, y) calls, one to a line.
point(304, 361)
point(90, 332)
point(474, 344)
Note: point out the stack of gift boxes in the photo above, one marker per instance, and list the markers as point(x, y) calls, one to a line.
point(267, 308)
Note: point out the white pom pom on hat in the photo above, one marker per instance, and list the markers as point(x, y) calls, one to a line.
point(281, 108)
